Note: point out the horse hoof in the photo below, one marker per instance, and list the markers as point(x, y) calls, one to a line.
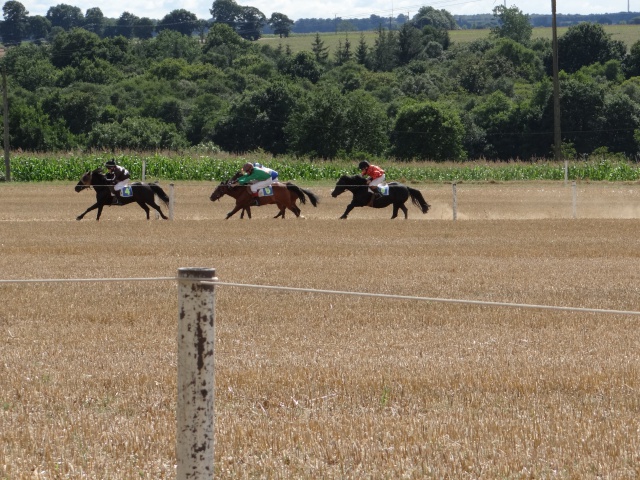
point(78, 218)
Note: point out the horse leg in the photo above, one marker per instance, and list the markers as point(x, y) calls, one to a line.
point(157, 208)
point(405, 211)
point(296, 210)
point(144, 207)
point(232, 212)
point(92, 207)
point(396, 207)
point(350, 207)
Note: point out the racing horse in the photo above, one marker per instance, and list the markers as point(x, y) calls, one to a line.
point(142, 193)
point(284, 196)
point(398, 195)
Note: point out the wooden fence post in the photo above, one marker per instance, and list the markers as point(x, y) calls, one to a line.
point(455, 201)
point(171, 200)
point(574, 200)
point(195, 406)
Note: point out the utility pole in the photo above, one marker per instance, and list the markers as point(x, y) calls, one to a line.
point(5, 102)
point(557, 136)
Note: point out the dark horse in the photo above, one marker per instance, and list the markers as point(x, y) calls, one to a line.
point(284, 196)
point(398, 195)
point(143, 194)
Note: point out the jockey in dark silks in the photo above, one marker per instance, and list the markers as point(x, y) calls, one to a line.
point(120, 177)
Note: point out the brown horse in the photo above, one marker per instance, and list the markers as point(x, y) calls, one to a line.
point(285, 195)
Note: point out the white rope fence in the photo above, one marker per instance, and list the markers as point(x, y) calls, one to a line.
point(331, 292)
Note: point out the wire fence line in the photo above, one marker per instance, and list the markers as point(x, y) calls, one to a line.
point(217, 283)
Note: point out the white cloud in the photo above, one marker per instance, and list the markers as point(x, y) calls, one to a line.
point(296, 9)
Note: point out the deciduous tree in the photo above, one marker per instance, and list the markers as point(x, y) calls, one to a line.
point(15, 25)
point(65, 16)
point(428, 131)
point(180, 20)
point(585, 44)
point(281, 24)
point(512, 24)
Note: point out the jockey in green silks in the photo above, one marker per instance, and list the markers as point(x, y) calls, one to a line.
point(255, 177)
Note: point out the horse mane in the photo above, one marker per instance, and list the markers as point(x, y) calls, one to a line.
point(236, 176)
point(354, 179)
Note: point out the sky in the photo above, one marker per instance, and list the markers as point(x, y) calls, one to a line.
point(295, 9)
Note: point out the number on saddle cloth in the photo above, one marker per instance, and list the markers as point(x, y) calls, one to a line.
point(383, 189)
point(265, 192)
point(126, 191)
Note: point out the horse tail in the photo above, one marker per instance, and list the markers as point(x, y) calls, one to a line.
point(297, 190)
point(159, 192)
point(418, 200)
point(303, 193)
point(312, 197)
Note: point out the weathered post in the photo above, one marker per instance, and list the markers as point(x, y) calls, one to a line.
point(455, 202)
point(171, 200)
point(195, 405)
point(574, 200)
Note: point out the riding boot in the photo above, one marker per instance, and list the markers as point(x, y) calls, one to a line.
point(371, 199)
point(255, 196)
point(115, 196)
point(374, 195)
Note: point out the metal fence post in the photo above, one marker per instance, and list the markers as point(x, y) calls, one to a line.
point(195, 404)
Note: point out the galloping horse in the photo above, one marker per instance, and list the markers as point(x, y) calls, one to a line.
point(284, 196)
point(398, 195)
point(143, 194)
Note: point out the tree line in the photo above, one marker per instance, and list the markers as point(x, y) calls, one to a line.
point(411, 95)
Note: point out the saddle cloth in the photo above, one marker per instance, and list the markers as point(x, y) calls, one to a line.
point(383, 189)
point(265, 192)
point(126, 191)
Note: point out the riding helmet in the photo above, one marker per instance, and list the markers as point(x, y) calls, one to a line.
point(363, 165)
point(247, 167)
point(110, 163)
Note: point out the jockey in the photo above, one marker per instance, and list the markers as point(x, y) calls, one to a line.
point(119, 176)
point(376, 177)
point(256, 178)
point(274, 174)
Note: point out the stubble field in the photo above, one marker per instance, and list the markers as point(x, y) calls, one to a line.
point(315, 385)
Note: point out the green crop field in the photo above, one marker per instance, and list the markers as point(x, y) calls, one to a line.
point(629, 34)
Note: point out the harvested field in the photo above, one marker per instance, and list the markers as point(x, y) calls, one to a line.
point(313, 385)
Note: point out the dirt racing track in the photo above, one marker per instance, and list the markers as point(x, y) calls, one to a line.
point(314, 385)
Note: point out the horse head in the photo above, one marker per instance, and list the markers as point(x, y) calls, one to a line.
point(219, 191)
point(85, 182)
point(348, 182)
